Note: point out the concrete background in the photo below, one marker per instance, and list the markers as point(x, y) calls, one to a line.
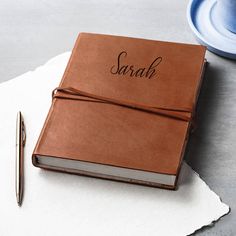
point(31, 32)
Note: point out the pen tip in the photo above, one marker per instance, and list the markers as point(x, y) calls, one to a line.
point(18, 200)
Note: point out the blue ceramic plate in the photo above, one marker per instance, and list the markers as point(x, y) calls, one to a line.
point(207, 27)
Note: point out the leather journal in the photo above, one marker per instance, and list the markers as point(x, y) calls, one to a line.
point(123, 110)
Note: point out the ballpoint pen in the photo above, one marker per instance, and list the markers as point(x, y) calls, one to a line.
point(20, 142)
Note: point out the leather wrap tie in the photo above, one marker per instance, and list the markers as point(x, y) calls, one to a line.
point(75, 94)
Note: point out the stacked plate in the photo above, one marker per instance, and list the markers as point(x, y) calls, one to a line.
point(208, 28)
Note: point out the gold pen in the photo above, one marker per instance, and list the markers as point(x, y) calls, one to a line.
point(20, 142)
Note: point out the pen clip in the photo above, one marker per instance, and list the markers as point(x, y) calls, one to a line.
point(23, 133)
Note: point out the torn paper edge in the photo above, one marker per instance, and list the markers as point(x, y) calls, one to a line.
point(210, 224)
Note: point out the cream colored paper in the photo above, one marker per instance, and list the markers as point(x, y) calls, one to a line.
point(62, 204)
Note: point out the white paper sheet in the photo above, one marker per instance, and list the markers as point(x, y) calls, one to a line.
point(62, 204)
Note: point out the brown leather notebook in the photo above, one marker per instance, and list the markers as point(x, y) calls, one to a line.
point(122, 110)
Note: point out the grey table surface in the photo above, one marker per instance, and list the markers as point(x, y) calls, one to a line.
point(31, 32)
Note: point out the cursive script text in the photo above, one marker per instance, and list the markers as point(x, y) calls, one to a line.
point(123, 69)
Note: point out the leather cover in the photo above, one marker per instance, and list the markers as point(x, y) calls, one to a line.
point(151, 73)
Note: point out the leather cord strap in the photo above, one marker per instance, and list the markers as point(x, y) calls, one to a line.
point(75, 94)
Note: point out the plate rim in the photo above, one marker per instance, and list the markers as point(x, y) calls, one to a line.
point(211, 47)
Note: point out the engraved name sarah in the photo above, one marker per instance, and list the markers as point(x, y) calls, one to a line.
point(123, 69)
